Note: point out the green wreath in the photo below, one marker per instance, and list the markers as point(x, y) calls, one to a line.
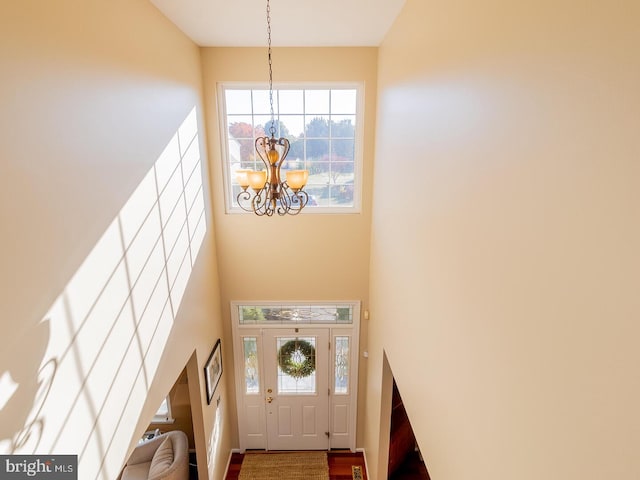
point(297, 358)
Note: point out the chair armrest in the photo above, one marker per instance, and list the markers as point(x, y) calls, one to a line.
point(179, 468)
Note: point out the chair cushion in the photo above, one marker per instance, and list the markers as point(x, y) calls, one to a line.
point(138, 471)
point(162, 459)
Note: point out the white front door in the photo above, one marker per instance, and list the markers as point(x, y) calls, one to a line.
point(296, 369)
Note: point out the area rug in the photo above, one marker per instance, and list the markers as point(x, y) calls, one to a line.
point(285, 466)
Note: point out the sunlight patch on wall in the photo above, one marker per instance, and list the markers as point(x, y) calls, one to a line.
point(214, 441)
point(111, 323)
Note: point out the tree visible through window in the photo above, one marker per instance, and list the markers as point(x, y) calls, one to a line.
point(320, 123)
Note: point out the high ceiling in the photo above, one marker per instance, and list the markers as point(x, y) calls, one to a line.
point(295, 23)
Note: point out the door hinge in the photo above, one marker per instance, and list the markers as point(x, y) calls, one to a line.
point(327, 434)
point(329, 391)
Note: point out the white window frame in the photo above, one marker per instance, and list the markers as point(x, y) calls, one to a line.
point(168, 418)
point(358, 140)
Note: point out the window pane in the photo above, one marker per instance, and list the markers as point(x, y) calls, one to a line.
point(241, 152)
point(341, 195)
point(318, 173)
point(317, 150)
point(163, 415)
point(316, 101)
point(296, 359)
point(343, 101)
point(317, 126)
point(163, 411)
point(238, 101)
point(341, 386)
point(240, 126)
point(292, 126)
point(318, 195)
point(342, 150)
point(294, 162)
point(251, 371)
point(343, 126)
point(290, 101)
point(261, 104)
point(342, 173)
point(262, 124)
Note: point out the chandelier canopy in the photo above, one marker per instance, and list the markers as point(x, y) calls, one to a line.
point(270, 193)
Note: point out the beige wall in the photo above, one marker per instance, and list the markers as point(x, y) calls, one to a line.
point(506, 225)
point(317, 257)
point(101, 101)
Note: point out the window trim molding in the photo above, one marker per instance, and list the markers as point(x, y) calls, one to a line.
point(358, 167)
point(164, 419)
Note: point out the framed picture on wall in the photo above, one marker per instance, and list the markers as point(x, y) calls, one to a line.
point(213, 371)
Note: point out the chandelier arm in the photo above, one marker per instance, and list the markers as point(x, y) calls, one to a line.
point(284, 143)
point(259, 203)
point(243, 197)
point(299, 201)
point(261, 149)
point(293, 202)
point(285, 201)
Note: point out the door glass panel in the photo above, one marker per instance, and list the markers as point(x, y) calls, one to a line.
point(251, 370)
point(296, 357)
point(341, 386)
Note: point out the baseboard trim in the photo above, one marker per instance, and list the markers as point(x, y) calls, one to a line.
point(364, 455)
point(231, 452)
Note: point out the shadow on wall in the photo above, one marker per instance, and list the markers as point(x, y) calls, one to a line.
point(24, 384)
point(78, 382)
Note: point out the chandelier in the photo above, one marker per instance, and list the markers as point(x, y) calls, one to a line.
point(269, 192)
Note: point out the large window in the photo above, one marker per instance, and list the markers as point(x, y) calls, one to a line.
point(324, 127)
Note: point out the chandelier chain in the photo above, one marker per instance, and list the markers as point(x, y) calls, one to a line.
point(272, 129)
point(270, 193)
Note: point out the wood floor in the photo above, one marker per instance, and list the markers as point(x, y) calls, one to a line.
point(340, 463)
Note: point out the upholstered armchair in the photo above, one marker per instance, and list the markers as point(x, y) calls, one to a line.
point(165, 457)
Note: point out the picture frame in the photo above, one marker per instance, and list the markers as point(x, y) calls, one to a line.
point(213, 371)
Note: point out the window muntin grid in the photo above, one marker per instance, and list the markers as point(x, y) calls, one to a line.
point(322, 125)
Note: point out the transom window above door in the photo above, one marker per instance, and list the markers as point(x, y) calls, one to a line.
point(323, 124)
point(290, 313)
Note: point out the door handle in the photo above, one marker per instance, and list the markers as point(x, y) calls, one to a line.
point(269, 399)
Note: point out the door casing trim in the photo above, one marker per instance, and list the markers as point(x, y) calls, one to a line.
point(240, 331)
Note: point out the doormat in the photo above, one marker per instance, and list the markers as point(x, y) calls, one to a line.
point(356, 472)
point(289, 466)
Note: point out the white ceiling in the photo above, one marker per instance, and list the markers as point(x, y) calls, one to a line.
point(295, 23)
